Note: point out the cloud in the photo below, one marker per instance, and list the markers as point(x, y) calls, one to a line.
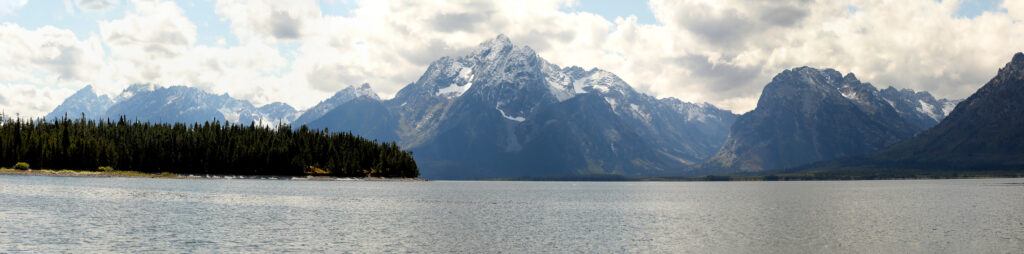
point(269, 19)
point(28, 101)
point(97, 5)
point(157, 44)
point(722, 52)
point(284, 26)
point(158, 30)
point(726, 51)
point(47, 50)
point(1014, 8)
point(401, 38)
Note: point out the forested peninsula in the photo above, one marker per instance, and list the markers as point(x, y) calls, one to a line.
point(207, 148)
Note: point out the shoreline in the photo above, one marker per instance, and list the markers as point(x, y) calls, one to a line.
point(166, 175)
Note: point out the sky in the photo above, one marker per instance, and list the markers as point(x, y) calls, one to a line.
point(301, 52)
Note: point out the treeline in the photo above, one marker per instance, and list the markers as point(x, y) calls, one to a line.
point(207, 148)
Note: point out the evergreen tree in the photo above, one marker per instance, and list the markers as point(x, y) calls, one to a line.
point(207, 148)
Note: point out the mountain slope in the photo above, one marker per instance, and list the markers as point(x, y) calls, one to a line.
point(984, 131)
point(277, 113)
point(85, 101)
point(365, 116)
point(503, 111)
point(920, 108)
point(149, 103)
point(341, 97)
point(807, 115)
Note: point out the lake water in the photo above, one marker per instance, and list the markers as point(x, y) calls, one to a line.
point(69, 214)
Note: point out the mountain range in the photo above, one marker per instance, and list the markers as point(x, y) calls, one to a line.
point(150, 103)
point(503, 111)
point(806, 115)
point(985, 132)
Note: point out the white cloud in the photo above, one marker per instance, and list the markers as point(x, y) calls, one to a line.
point(722, 52)
point(1015, 8)
point(28, 101)
point(911, 44)
point(47, 50)
point(269, 19)
point(400, 38)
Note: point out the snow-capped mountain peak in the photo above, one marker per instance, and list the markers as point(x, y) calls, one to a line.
point(340, 97)
point(494, 48)
point(134, 89)
point(365, 90)
point(85, 101)
point(920, 107)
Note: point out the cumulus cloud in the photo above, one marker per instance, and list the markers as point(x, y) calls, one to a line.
point(729, 49)
point(49, 50)
point(269, 19)
point(157, 44)
point(722, 52)
point(158, 30)
point(1014, 8)
point(401, 38)
point(29, 101)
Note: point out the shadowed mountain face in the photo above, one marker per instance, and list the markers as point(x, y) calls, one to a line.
point(985, 131)
point(365, 116)
point(806, 115)
point(502, 111)
point(341, 97)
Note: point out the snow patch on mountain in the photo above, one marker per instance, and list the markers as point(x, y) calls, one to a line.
point(928, 110)
point(558, 82)
point(948, 106)
point(578, 86)
point(230, 114)
point(849, 94)
point(454, 90)
point(463, 75)
point(513, 118)
point(612, 102)
point(640, 113)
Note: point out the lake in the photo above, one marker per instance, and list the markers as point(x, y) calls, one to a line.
point(77, 214)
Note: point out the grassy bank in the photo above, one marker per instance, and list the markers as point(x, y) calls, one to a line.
point(67, 172)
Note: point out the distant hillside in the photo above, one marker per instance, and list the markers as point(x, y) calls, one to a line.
point(984, 132)
point(175, 104)
point(806, 115)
